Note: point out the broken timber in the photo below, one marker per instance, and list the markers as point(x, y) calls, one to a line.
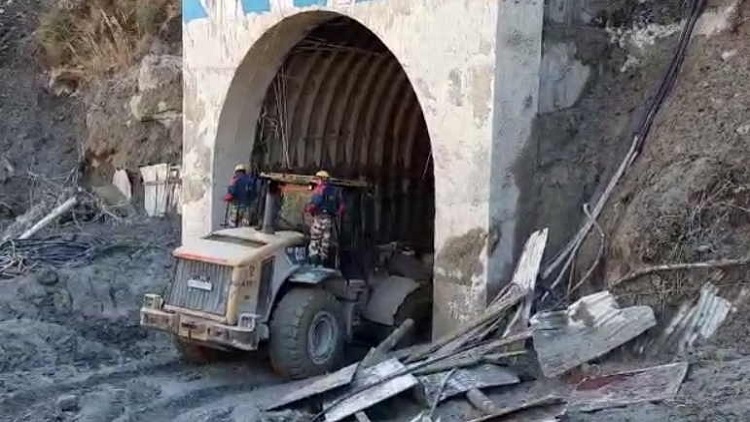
point(372, 389)
point(466, 361)
point(375, 380)
point(362, 417)
point(463, 380)
point(480, 350)
point(481, 402)
point(591, 327)
point(526, 274)
point(521, 286)
point(378, 354)
point(317, 386)
point(57, 212)
point(345, 376)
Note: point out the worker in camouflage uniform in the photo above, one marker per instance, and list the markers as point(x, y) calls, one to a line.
point(239, 197)
point(324, 206)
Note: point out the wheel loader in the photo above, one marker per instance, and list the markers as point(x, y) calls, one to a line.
point(246, 288)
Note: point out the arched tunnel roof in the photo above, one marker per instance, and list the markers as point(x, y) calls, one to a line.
point(343, 102)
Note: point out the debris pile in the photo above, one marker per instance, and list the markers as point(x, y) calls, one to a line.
point(53, 204)
point(482, 355)
point(21, 255)
point(589, 328)
point(695, 320)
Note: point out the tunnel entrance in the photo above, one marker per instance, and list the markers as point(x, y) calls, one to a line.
point(342, 102)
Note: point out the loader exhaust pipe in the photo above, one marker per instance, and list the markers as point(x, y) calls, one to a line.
point(269, 209)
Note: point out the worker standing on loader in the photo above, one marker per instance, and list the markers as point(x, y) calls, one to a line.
point(239, 197)
point(324, 205)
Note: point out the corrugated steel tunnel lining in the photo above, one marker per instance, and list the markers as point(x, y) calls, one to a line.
point(342, 102)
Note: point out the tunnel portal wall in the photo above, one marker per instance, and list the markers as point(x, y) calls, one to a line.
point(474, 69)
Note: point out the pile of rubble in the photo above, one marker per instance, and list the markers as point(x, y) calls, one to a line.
point(21, 255)
point(34, 238)
point(482, 355)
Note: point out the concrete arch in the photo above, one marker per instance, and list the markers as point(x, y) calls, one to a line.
point(473, 68)
point(244, 101)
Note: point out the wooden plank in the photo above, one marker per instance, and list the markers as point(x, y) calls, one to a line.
point(306, 179)
point(528, 265)
point(44, 222)
point(155, 189)
point(317, 386)
point(463, 380)
point(590, 328)
point(378, 354)
point(502, 358)
point(624, 388)
point(423, 417)
point(526, 275)
point(481, 402)
point(439, 392)
point(367, 397)
point(448, 364)
point(405, 352)
point(545, 401)
point(362, 417)
point(520, 320)
point(480, 350)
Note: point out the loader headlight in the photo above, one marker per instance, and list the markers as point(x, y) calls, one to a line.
point(247, 321)
point(152, 301)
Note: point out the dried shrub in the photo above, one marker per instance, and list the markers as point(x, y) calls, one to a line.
point(714, 214)
point(712, 223)
point(100, 36)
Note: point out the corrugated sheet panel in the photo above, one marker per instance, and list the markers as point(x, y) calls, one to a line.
point(343, 102)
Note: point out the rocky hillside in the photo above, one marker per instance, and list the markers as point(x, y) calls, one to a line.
point(39, 131)
point(86, 87)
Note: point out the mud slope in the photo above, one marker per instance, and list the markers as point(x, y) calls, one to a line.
point(688, 195)
point(38, 131)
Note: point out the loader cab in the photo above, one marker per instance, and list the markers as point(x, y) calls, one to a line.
point(283, 199)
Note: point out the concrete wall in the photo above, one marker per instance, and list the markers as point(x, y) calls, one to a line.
point(475, 68)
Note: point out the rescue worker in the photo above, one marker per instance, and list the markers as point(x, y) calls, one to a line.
point(324, 205)
point(239, 197)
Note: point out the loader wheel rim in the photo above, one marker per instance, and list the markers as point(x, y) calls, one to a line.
point(321, 338)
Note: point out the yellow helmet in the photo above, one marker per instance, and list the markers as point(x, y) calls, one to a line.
point(240, 167)
point(322, 174)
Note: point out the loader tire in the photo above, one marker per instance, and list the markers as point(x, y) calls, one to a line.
point(307, 335)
